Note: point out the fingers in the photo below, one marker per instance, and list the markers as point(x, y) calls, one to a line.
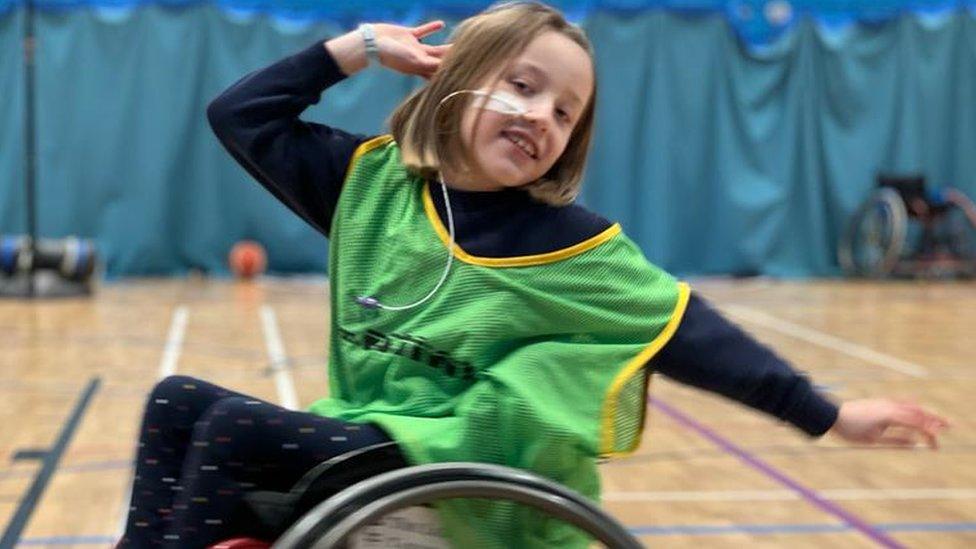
point(888, 421)
point(914, 416)
point(431, 60)
point(429, 66)
point(437, 51)
point(424, 66)
point(937, 421)
point(917, 419)
point(435, 55)
point(427, 29)
point(898, 441)
point(933, 427)
point(931, 430)
point(902, 437)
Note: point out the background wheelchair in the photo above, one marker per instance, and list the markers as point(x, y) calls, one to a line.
point(386, 507)
point(905, 229)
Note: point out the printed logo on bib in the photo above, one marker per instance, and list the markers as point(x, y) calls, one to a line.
point(410, 347)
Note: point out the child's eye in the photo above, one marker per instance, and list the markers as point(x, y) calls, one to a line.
point(562, 115)
point(520, 86)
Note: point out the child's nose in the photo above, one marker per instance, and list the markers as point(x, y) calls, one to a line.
point(536, 116)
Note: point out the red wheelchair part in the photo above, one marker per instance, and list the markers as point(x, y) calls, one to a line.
point(242, 543)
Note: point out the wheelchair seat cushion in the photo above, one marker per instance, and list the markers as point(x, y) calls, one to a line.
point(267, 514)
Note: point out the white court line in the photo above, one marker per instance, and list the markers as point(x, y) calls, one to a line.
point(167, 367)
point(276, 353)
point(787, 495)
point(174, 342)
point(826, 340)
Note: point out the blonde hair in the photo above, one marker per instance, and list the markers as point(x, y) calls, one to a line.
point(426, 133)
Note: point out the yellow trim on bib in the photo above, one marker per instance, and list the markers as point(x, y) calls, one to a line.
point(364, 148)
point(516, 261)
point(638, 362)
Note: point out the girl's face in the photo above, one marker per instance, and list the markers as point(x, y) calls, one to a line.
point(553, 80)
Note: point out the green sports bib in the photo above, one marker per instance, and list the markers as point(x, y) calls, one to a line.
point(536, 362)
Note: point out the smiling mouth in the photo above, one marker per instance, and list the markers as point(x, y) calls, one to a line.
point(523, 145)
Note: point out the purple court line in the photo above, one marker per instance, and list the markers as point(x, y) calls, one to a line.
point(768, 470)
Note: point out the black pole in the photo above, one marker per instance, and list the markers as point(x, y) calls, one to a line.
point(32, 278)
point(30, 152)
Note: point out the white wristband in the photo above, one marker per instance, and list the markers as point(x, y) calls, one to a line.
point(369, 40)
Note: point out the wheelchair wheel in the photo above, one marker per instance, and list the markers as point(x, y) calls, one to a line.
point(875, 237)
point(332, 522)
point(960, 234)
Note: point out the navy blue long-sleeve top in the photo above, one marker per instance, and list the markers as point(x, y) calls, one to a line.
point(304, 164)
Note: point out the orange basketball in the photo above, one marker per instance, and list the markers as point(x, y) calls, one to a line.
point(247, 259)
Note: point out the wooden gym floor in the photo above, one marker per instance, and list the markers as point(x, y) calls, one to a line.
point(74, 374)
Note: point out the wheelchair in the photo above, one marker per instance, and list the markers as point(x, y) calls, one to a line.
point(905, 229)
point(382, 505)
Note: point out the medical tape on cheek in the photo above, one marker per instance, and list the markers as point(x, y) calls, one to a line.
point(501, 102)
point(497, 101)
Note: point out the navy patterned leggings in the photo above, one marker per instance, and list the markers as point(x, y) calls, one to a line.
point(202, 447)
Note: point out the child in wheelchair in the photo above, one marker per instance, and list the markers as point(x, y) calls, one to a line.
point(478, 313)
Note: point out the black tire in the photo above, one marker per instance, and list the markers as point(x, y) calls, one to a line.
point(330, 523)
point(875, 236)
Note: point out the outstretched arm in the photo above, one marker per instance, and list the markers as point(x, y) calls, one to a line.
point(711, 353)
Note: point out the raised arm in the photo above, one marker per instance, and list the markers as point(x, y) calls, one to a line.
point(257, 120)
point(302, 163)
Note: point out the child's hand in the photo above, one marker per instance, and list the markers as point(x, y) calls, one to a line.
point(401, 48)
point(886, 421)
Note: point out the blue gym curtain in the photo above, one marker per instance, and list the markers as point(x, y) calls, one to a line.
point(732, 137)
